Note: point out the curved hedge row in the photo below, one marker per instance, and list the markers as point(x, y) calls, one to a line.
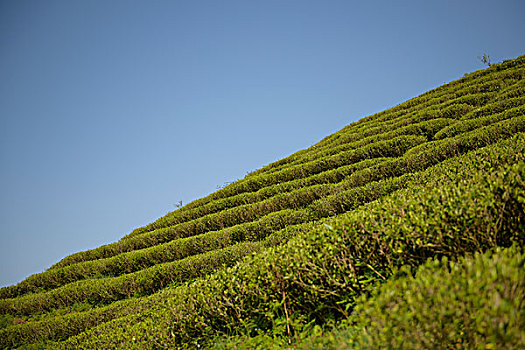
point(472, 303)
point(495, 82)
point(515, 90)
point(448, 304)
point(327, 176)
point(387, 148)
point(395, 147)
point(448, 171)
point(175, 250)
point(491, 83)
point(515, 126)
point(109, 289)
point(411, 182)
point(448, 110)
point(472, 124)
point(136, 259)
point(426, 128)
point(143, 282)
point(320, 275)
point(341, 197)
point(487, 80)
point(55, 327)
point(413, 106)
point(411, 126)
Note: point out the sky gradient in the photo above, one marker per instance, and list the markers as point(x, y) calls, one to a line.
point(113, 111)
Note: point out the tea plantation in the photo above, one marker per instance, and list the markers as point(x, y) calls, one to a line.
point(403, 230)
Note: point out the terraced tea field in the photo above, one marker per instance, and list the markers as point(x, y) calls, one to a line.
point(424, 200)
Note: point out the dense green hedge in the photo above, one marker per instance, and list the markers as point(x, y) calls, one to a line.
point(342, 198)
point(387, 148)
point(395, 147)
point(418, 157)
point(319, 276)
point(143, 282)
point(472, 124)
point(175, 250)
point(327, 176)
point(496, 107)
point(498, 154)
point(408, 180)
point(60, 325)
point(353, 199)
point(440, 105)
point(515, 90)
point(109, 289)
point(449, 171)
point(475, 303)
point(425, 128)
point(447, 111)
point(495, 82)
point(454, 105)
point(483, 81)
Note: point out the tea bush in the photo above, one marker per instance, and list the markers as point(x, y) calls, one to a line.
point(476, 302)
point(320, 275)
point(289, 251)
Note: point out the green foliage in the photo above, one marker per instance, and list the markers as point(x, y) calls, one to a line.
point(476, 302)
point(143, 282)
point(284, 254)
point(322, 201)
point(472, 124)
point(174, 250)
point(394, 147)
point(6, 321)
point(319, 276)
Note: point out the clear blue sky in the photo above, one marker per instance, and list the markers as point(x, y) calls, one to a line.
point(112, 111)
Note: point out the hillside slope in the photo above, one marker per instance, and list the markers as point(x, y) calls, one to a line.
point(281, 256)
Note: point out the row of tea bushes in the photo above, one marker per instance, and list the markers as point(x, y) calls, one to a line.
point(482, 161)
point(426, 128)
point(471, 303)
point(472, 124)
point(395, 147)
point(496, 107)
point(479, 82)
point(175, 250)
point(346, 196)
point(497, 81)
point(433, 151)
point(448, 304)
point(327, 176)
point(388, 148)
point(320, 275)
point(143, 282)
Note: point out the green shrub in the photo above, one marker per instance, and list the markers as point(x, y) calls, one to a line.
point(497, 107)
point(449, 171)
point(425, 128)
point(347, 197)
point(422, 179)
point(143, 282)
point(174, 250)
point(388, 148)
point(475, 303)
point(296, 199)
point(472, 124)
point(319, 276)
